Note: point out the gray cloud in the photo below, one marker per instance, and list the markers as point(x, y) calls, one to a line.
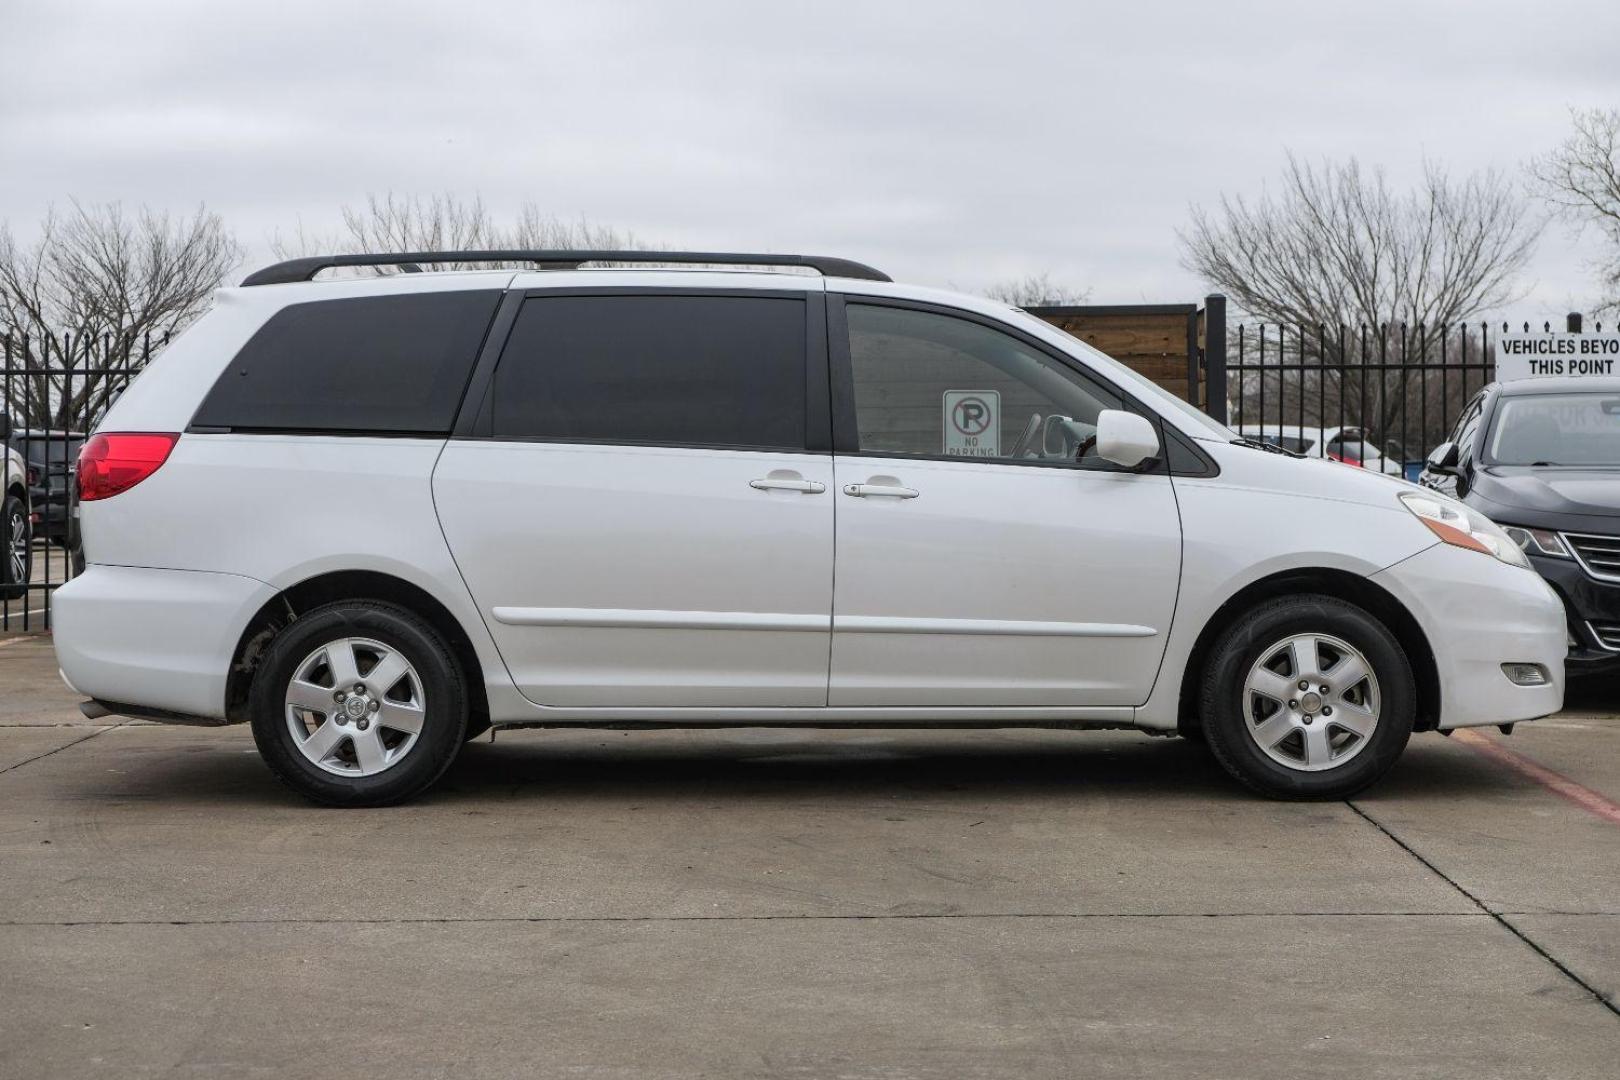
point(946, 142)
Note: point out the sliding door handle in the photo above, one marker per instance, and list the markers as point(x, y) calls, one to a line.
point(808, 487)
point(890, 491)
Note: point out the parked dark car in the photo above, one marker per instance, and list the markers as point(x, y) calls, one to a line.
point(52, 458)
point(1541, 458)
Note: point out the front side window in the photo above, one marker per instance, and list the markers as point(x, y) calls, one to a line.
point(937, 386)
point(673, 370)
point(1556, 429)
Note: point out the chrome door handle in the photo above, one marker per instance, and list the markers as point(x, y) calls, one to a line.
point(808, 487)
point(892, 491)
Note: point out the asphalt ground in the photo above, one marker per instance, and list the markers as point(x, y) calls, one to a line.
point(753, 903)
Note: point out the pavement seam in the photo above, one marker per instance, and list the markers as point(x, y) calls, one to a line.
point(509, 919)
point(1597, 995)
point(59, 749)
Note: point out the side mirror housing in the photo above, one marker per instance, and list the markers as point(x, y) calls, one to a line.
point(1443, 458)
point(1125, 438)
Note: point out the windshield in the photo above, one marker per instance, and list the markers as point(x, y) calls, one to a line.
point(1555, 429)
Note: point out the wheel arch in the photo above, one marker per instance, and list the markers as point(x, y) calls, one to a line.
point(1341, 584)
point(282, 609)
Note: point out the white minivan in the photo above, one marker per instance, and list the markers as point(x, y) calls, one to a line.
point(375, 516)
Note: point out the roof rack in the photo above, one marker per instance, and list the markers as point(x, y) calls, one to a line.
point(305, 269)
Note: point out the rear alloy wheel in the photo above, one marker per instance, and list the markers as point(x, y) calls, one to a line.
point(1308, 697)
point(359, 704)
point(16, 561)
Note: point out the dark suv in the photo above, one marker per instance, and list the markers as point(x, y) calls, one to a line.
point(52, 456)
point(1541, 458)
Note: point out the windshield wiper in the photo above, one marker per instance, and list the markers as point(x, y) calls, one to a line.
point(1270, 448)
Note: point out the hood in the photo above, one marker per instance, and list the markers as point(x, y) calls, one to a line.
point(1550, 491)
point(1310, 477)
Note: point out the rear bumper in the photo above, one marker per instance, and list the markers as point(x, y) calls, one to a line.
point(161, 640)
point(1479, 614)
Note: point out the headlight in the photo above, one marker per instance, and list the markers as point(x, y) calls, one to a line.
point(1537, 541)
point(1461, 527)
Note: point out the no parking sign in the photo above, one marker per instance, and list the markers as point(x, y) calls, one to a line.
point(972, 423)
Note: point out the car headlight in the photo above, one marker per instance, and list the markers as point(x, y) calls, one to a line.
point(1459, 526)
point(1538, 541)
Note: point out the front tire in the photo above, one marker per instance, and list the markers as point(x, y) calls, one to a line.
point(359, 703)
point(16, 550)
point(1308, 697)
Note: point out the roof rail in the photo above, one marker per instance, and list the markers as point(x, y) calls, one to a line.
point(305, 269)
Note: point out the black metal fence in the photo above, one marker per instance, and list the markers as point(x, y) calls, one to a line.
point(1378, 397)
point(53, 390)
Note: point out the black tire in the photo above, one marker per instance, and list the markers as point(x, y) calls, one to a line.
point(444, 691)
point(14, 520)
point(1227, 712)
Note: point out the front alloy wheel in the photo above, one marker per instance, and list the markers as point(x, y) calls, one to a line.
point(1307, 697)
point(1312, 702)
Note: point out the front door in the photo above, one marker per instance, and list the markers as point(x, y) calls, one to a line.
point(986, 557)
point(642, 519)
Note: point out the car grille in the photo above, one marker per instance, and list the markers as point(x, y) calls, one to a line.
point(1599, 554)
point(1608, 634)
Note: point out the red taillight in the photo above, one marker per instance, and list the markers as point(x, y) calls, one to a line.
point(1346, 460)
point(117, 461)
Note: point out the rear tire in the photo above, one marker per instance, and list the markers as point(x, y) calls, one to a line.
point(1307, 697)
point(16, 550)
point(359, 703)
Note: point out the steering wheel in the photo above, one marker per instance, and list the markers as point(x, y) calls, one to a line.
point(1026, 441)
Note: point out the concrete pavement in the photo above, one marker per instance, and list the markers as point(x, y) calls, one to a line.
point(799, 904)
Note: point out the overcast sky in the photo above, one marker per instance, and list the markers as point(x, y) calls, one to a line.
point(946, 143)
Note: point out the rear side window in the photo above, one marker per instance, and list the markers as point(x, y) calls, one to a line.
point(390, 364)
point(723, 371)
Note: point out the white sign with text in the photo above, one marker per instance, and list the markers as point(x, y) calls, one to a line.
point(1529, 356)
point(972, 423)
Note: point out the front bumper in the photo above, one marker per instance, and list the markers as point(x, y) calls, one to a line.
point(1478, 614)
point(1591, 606)
point(158, 639)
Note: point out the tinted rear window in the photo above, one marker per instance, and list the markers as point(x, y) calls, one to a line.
point(666, 370)
point(375, 363)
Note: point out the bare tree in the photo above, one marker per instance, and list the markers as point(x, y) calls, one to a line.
point(1581, 180)
point(1036, 290)
point(446, 222)
point(97, 284)
point(1337, 247)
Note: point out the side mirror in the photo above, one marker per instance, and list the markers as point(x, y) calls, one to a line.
point(1125, 438)
point(1443, 458)
point(5, 429)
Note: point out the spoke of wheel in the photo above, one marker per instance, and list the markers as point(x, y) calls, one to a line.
point(321, 744)
point(368, 751)
point(389, 670)
point(1318, 748)
point(1306, 663)
point(1355, 718)
point(1347, 674)
point(1272, 685)
point(406, 718)
point(306, 695)
point(340, 658)
point(1274, 730)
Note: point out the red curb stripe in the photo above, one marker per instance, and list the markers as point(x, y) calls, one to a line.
point(1582, 796)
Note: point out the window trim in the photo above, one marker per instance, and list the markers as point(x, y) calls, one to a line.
point(476, 421)
point(846, 432)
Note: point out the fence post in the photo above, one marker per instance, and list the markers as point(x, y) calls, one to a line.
point(1572, 322)
point(1215, 356)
